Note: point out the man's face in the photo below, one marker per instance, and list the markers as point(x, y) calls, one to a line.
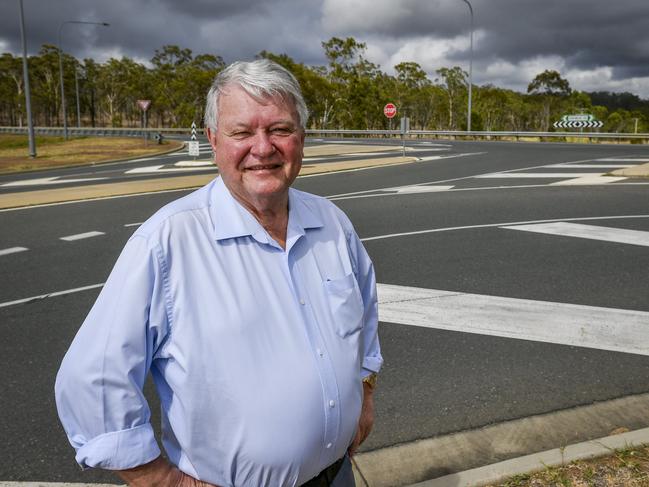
point(258, 146)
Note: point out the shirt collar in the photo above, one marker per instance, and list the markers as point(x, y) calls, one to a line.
point(230, 219)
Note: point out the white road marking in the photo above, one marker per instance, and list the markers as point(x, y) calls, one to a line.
point(615, 159)
point(50, 295)
point(536, 175)
point(492, 225)
point(542, 321)
point(47, 181)
point(589, 180)
point(159, 169)
point(12, 250)
point(590, 166)
point(452, 156)
point(194, 163)
point(593, 232)
point(419, 189)
point(80, 236)
point(133, 224)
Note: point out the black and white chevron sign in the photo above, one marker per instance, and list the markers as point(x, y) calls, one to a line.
point(193, 137)
point(577, 121)
point(578, 124)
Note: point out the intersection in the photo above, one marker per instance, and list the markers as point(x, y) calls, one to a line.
point(502, 297)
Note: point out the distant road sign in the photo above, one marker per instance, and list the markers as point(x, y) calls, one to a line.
point(193, 137)
point(578, 121)
point(144, 104)
point(390, 110)
point(578, 118)
point(194, 149)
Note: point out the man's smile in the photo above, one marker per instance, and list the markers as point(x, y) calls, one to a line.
point(263, 167)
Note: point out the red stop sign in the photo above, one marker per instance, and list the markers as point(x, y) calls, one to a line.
point(390, 110)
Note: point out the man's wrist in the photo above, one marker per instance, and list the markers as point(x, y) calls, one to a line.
point(159, 472)
point(371, 380)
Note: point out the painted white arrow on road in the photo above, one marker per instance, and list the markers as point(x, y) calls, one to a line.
point(47, 181)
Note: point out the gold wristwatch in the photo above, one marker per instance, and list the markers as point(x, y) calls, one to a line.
point(370, 380)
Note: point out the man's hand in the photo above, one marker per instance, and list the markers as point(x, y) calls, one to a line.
point(159, 473)
point(366, 421)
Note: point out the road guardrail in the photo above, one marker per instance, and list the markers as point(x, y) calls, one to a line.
point(440, 134)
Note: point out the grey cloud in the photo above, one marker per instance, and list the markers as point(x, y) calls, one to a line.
point(585, 34)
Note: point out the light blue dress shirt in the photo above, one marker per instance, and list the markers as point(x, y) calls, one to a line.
point(257, 352)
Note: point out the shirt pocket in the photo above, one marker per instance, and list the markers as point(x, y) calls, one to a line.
point(345, 303)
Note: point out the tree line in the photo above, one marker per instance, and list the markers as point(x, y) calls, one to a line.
point(348, 92)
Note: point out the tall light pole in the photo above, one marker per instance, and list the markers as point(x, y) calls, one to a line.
point(468, 117)
point(76, 89)
point(65, 118)
point(28, 96)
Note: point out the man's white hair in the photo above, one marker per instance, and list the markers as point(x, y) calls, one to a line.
point(260, 79)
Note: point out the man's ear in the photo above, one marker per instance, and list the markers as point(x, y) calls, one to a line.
point(210, 135)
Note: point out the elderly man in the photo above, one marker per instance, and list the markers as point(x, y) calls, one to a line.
point(252, 304)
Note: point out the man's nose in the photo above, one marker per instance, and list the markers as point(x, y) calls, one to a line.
point(262, 145)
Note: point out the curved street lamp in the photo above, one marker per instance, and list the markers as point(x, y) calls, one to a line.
point(468, 117)
point(65, 118)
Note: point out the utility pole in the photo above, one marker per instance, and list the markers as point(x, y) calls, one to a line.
point(468, 116)
point(28, 97)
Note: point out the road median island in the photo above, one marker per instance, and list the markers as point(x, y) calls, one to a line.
point(639, 171)
point(85, 192)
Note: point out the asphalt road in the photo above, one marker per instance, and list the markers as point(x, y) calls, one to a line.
point(179, 163)
point(434, 381)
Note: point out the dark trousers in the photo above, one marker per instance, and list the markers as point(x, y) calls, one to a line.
point(340, 474)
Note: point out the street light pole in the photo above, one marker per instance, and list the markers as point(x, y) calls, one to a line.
point(65, 118)
point(76, 89)
point(28, 100)
point(468, 123)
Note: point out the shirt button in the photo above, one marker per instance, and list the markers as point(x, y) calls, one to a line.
point(332, 404)
point(329, 445)
point(302, 302)
point(319, 352)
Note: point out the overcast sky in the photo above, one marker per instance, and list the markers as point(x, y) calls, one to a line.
point(595, 44)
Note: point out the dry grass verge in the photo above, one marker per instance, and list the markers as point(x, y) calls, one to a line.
point(624, 468)
point(56, 152)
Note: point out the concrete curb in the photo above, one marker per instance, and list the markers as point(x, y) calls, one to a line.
point(499, 472)
point(433, 458)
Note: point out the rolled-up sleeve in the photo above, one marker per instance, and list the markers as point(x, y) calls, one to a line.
point(99, 385)
point(364, 270)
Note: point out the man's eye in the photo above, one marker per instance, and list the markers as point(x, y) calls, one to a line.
point(282, 131)
point(240, 134)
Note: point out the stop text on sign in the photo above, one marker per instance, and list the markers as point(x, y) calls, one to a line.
point(390, 110)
